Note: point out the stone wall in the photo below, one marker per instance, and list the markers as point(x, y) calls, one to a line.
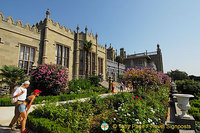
point(44, 36)
point(13, 34)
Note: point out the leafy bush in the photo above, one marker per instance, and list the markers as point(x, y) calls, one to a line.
point(145, 77)
point(50, 79)
point(188, 87)
point(6, 102)
point(193, 110)
point(80, 86)
point(196, 116)
point(94, 80)
point(76, 85)
point(63, 97)
point(178, 75)
point(43, 125)
point(140, 109)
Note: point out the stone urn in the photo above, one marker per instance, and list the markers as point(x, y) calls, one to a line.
point(183, 103)
point(174, 88)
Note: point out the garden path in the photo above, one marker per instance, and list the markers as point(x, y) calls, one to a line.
point(7, 113)
point(105, 84)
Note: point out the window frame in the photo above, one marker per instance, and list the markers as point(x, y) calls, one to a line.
point(64, 58)
point(23, 60)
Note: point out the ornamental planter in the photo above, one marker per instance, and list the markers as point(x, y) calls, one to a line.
point(174, 88)
point(183, 103)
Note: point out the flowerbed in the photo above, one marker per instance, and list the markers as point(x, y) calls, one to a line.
point(145, 77)
point(63, 97)
point(145, 111)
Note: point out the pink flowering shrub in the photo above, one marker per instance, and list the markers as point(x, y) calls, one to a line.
point(145, 77)
point(50, 79)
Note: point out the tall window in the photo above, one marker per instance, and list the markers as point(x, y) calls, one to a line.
point(59, 54)
point(89, 62)
point(93, 63)
point(81, 63)
point(26, 58)
point(66, 57)
point(62, 55)
point(100, 64)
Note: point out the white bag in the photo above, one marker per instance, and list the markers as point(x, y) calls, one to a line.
point(14, 99)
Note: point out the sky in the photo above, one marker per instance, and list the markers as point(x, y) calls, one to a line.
point(136, 25)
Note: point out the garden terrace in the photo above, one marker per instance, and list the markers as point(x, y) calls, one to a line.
point(143, 108)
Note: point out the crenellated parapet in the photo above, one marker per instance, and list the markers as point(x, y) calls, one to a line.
point(101, 47)
point(18, 23)
point(61, 28)
point(1, 16)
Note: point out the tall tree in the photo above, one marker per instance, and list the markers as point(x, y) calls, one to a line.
point(87, 47)
point(119, 60)
point(12, 76)
point(178, 75)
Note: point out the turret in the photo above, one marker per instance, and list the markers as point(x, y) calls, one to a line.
point(47, 14)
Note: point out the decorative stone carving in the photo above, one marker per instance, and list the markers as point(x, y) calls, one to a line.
point(183, 104)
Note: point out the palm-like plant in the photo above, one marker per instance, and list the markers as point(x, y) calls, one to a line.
point(12, 75)
point(119, 60)
point(87, 47)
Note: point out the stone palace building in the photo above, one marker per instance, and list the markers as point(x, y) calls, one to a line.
point(46, 42)
point(143, 60)
point(26, 46)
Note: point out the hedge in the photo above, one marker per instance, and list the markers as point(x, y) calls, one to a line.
point(43, 125)
point(63, 97)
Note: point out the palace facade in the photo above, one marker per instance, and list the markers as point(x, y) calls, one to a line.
point(143, 60)
point(48, 42)
point(28, 46)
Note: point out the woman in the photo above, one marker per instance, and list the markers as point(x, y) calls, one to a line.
point(25, 106)
point(112, 85)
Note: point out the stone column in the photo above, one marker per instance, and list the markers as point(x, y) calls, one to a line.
point(44, 57)
point(96, 57)
point(77, 55)
point(106, 63)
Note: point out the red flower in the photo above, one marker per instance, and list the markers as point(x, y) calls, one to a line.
point(132, 96)
point(137, 97)
point(167, 115)
point(140, 98)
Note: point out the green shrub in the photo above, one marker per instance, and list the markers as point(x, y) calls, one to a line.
point(193, 110)
point(197, 126)
point(76, 85)
point(195, 103)
point(63, 97)
point(188, 87)
point(94, 80)
point(196, 116)
point(6, 102)
point(43, 125)
point(178, 75)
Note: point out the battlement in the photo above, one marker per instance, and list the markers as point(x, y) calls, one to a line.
point(101, 47)
point(19, 23)
point(62, 28)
